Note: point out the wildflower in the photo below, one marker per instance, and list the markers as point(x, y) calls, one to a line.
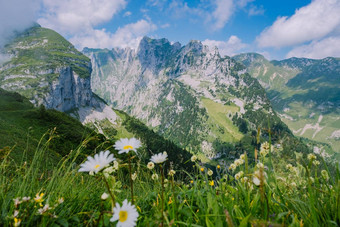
point(242, 156)
point(16, 212)
point(210, 172)
point(260, 165)
point(134, 176)
point(154, 176)
point(211, 183)
point(25, 199)
point(232, 167)
point(39, 198)
point(125, 145)
point(61, 200)
point(166, 182)
point(256, 180)
point(202, 169)
point(244, 179)
point(191, 182)
point(44, 209)
point(17, 221)
point(193, 158)
point(16, 201)
point(172, 172)
point(239, 162)
point(311, 157)
point(265, 146)
point(151, 165)
point(218, 167)
point(104, 196)
point(97, 163)
point(159, 158)
point(238, 175)
point(126, 214)
point(257, 176)
point(170, 200)
point(324, 175)
point(316, 162)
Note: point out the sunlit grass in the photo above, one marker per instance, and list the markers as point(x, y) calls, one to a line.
point(297, 192)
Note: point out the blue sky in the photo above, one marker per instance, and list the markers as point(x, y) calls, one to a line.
point(275, 28)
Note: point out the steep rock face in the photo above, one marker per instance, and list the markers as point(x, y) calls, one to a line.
point(189, 93)
point(305, 93)
point(69, 91)
point(48, 70)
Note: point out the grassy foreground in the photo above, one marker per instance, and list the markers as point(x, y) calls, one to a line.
point(297, 192)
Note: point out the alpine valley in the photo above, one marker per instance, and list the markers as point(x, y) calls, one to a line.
point(305, 93)
point(196, 99)
point(191, 95)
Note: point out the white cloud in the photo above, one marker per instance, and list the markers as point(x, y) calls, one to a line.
point(77, 19)
point(254, 10)
point(16, 15)
point(230, 47)
point(318, 49)
point(314, 21)
point(224, 10)
point(127, 36)
point(77, 16)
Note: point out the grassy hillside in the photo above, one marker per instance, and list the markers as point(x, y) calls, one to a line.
point(305, 93)
point(22, 126)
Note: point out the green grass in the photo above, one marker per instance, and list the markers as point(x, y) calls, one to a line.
point(218, 115)
point(22, 125)
point(286, 196)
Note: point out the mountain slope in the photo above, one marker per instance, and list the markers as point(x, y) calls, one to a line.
point(305, 92)
point(49, 71)
point(189, 94)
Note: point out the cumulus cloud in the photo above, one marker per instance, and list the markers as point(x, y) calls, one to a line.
point(318, 49)
point(16, 15)
point(224, 10)
point(230, 47)
point(78, 16)
point(78, 20)
point(127, 36)
point(314, 21)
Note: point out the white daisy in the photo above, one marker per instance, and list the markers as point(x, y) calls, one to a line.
point(125, 145)
point(159, 158)
point(126, 214)
point(97, 163)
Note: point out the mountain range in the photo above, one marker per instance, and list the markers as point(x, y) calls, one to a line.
point(304, 92)
point(191, 95)
point(194, 99)
point(44, 75)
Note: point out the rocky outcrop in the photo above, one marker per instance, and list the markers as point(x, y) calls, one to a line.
point(189, 94)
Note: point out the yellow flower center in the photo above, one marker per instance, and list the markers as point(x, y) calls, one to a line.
point(123, 215)
point(96, 166)
point(128, 147)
